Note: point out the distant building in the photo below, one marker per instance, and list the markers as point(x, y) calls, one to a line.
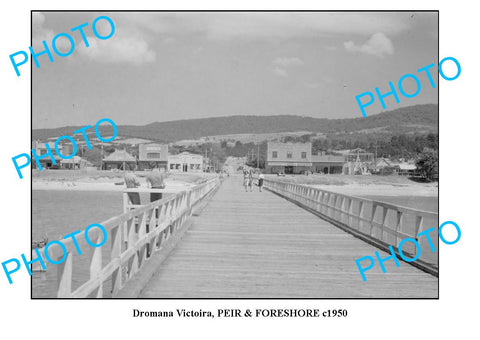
point(407, 169)
point(328, 164)
point(119, 159)
point(289, 158)
point(385, 166)
point(153, 156)
point(357, 155)
point(47, 162)
point(76, 162)
point(131, 141)
point(185, 162)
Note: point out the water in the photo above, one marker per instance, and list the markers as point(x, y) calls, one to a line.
point(57, 213)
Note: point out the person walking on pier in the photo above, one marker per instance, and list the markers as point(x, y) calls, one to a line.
point(250, 180)
point(245, 180)
point(261, 177)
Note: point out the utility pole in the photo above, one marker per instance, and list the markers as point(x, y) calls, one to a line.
point(258, 155)
point(101, 158)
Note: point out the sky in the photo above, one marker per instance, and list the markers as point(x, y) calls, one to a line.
point(164, 66)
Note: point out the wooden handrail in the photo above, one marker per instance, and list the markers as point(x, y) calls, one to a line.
point(379, 223)
point(133, 237)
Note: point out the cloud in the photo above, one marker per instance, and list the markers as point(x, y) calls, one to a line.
point(129, 44)
point(281, 64)
point(285, 62)
point(280, 72)
point(378, 45)
point(267, 25)
point(131, 50)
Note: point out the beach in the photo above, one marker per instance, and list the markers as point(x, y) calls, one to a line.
point(365, 185)
point(78, 180)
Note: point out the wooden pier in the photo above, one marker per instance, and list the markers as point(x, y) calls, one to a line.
point(217, 241)
point(259, 245)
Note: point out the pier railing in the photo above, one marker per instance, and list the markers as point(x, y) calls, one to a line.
point(133, 237)
point(378, 223)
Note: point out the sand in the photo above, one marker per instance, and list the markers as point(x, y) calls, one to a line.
point(105, 180)
point(381, 190)
point(171, 186)
point(365, 185)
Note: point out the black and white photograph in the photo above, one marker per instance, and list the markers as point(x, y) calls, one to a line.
point(239, 155)
point(239, 170)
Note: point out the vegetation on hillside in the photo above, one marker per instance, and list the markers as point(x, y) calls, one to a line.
point(407, 120)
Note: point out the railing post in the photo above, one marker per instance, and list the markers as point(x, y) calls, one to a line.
point(361, 214)
point(384, 216)
point(349, 212)
point(398, 226)
point(116, 251)
point(142, 230)
point(96, 269)
point(374, 210)
point(132, 265)
point(64, 277)
point(125, 202)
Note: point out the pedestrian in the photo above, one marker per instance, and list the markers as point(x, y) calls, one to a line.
point(245, 180)
point(131, 181)
point(155, 180)
point(261, 177)
point(250, 180)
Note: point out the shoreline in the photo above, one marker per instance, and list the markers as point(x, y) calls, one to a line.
point(360, 190)
point(171, 186)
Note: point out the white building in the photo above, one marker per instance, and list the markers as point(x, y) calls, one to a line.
point(185, 162)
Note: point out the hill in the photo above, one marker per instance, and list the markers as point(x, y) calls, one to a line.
point(407, 120)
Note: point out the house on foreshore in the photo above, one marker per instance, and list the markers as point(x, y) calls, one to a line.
point(328, 164)
point(288, 158)
point(185, 162)
point(153, 156)
point(44, 158)
point(119, 159)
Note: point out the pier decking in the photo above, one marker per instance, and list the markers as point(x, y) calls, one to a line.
point(259, 245)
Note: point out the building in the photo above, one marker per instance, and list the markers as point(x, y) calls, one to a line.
point(47, 162)
point(288, 158)
point(185, 162)
point(384, 166)
point(357, 155)
point(328, 164)
point(407, 169)
point(76, 162)
point(119, 159)
point(153, 156)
